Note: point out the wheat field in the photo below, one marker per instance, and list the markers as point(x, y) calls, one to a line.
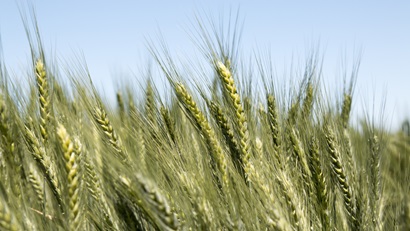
point(214, 153)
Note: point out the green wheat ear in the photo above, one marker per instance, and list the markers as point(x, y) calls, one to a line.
point(228, 134)
point(215, 148)
point(44, 162)
point(273, 118)
point(71, 152)
point(101, 117)
point(8, 221)
point(240, 118)
point(346, 108)
point(319, 183)
point(5, 129)
point(151, 201)
point(340, 174)
point(169, 123)
point(121, 106)
point(150, 105)
point(44, 98)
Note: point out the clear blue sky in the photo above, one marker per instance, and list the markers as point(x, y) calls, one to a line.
point(111, 34)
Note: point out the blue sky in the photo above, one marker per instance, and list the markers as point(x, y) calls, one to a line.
point(112, 36)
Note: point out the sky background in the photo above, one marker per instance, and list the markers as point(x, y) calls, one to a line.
point(112, 37)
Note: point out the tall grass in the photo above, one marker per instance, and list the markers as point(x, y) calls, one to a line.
point(215, 155)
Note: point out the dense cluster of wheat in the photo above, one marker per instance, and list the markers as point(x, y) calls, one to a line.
point(213, 156)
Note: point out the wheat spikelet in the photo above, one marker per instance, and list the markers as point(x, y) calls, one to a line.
point(5, 129)
point(153, 204)
point(273, 120)
point(228, 134)
point(347, 106)
point(44, 98)
point(8, 221)
point(374, 146)
point(258, 149)
point(59, 94)
point(229, 86)
point(319, 183)
point(93, 184)
point(121, 106)
point(287, 193)
point(308, 101)
point(91, 180)
point(169, 123)
point(348, 154)
point(150, 106)
point(293, 113)
point(71, 152)
point(44, 163)
point(36, 182)
point(209, 134)
point(104, 123)
point(132, 111)
point(340, 175)
point(142, 147)
point(9, 158)
point(300, 156)
point(259, 183)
